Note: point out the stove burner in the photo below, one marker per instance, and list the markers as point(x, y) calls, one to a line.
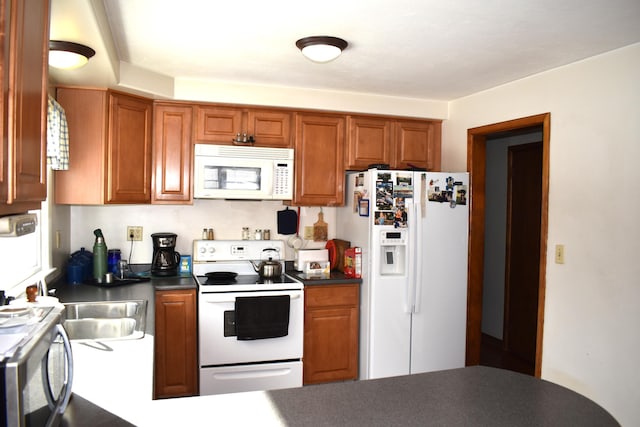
point(221, 278)
point(220, 281)
point(242, 279)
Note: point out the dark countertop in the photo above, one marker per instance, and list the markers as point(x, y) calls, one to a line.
point(334, 278)
point(474, 396)
point(80, 411)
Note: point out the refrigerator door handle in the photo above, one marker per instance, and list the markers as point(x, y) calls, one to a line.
point(414, 257)
point(418, 261)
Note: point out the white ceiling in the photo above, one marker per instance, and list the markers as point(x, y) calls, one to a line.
point(427, 49)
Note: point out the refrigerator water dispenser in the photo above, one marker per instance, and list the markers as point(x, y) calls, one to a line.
point(393, 248)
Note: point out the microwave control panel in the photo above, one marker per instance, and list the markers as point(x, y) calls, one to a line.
point(282, 180)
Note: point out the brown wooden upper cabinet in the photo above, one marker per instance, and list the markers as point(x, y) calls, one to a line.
point(109, 148)
point(417, 144)
point(24, 39)
point(369, 141)
point(172, 153)
point(402, 144)
point(221, 125)
point(319, 160)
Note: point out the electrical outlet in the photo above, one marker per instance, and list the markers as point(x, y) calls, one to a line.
point(308, 233)
point(134, 233)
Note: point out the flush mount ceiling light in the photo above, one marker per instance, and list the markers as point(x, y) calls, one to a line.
point(321, 48)
point(68, 55)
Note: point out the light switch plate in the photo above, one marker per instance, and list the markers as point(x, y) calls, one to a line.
point(559, 254)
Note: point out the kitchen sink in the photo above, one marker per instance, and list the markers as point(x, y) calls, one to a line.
point(109, 320)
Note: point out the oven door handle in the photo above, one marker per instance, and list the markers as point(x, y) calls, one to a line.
point(233, 299)
point(243, 375)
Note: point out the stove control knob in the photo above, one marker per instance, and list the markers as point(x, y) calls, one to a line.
point(203, 250)
point(212, 250)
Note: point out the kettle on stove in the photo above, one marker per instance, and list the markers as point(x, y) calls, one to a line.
point(165, 258)
point(268, 269)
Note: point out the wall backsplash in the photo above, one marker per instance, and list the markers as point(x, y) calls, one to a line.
point(225, 217)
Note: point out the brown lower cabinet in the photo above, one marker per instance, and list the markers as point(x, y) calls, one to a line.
point(331, 333)
point(175, 344)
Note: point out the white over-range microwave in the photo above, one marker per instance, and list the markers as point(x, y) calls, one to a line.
point(234, 172)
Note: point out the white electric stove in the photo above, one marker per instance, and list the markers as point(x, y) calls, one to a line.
point(250, 328)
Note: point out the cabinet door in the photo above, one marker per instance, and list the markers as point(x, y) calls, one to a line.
point(129, 150)
point(84, 182)
point(369, 142)
point(330, 333)
point(25, 161)
point(319, 160)
point(417, 145)
point(270, 128)
point(218, 124)
point(4, 78)
point(176, 358)
point(172, 153)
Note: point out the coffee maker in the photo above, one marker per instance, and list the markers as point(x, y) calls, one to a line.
point(165, 258)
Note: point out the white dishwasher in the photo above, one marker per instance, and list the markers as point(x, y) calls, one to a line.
point(116, 375)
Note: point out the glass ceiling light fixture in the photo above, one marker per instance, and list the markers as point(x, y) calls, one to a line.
point(68, 55)
point(321, 48)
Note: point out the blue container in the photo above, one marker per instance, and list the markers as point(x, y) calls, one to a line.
point(113, 257)
point(85, 259)
point(75, 272)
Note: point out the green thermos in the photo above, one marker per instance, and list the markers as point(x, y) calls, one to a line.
point(99, 256)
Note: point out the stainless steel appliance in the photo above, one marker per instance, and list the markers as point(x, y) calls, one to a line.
point(36, 367)
point(165, 258)
point(250, 328)
point(230, 172)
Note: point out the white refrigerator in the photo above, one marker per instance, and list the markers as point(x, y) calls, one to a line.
point(413, 231)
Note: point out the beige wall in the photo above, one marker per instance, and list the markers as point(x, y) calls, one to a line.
point(592, 313)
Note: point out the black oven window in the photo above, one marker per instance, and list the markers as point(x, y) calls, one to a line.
point(230, 323)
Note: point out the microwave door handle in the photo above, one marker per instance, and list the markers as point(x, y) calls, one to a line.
point(61, 404)
point(69, 367)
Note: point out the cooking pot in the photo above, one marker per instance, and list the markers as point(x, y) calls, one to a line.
point(270, 268)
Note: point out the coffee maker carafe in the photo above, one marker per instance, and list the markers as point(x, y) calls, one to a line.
point(165, 258)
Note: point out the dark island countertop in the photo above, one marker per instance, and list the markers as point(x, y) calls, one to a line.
point(473, 396)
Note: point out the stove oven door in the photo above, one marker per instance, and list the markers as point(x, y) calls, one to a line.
point(228, 364)
point(220, 346)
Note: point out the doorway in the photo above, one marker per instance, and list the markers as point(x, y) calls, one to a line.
point(478, 139)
